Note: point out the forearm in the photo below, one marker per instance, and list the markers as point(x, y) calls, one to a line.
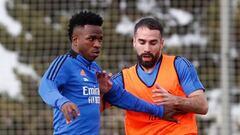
point(125, 100)
point(195, 103)
point(50, 94)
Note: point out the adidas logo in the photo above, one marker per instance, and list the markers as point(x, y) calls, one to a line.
point(82, 73)
point(85, 79)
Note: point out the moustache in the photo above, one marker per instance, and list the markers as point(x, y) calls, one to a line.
point(147, 54)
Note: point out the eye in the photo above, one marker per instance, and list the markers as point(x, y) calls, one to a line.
point(90, 38)
point(100, 39)
point(154, 42)
point(142, 42)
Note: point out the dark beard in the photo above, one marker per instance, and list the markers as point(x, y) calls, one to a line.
point(148, 64)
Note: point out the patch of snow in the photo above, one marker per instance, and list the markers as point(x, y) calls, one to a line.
point(125, 27)
point(9, 82)
point(13, 27)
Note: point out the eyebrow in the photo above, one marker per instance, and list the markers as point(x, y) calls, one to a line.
point(140, 39)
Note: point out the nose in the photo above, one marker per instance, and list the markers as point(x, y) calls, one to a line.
point(97, 44)
point(147, 48)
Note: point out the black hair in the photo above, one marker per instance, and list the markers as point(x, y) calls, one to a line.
point(149, 22)
point(83, 18)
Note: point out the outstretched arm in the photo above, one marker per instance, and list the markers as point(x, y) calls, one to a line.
point(49, 92)
point(119, 97)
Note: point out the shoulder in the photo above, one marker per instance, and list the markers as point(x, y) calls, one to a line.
point(182, 62)
point(60, 60)
point(65, 60)
point(183, 66)
point(57, 65)
point(129, 67)
point(117, 76)
point(60, 57)
point(118, 79)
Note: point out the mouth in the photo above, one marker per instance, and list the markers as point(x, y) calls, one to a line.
point(96, 52)
point(147, 57)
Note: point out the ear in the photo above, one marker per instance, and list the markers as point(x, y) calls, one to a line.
point(134, 42)
point(162, 43)
point(74, 39)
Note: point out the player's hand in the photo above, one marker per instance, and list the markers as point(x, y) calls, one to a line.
point(104, 80)
point(163, 97)
point(169, 114)
point(70, 111)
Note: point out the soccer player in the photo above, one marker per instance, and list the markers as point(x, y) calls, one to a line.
point(70, 84)
point(168, 80)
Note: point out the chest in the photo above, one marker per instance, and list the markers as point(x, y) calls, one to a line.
point(166, 78)
point(83, 76)
point(83, 86)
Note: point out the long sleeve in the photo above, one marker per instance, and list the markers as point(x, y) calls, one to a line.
point(50, 83)
point(119, 97)
point(50, 94)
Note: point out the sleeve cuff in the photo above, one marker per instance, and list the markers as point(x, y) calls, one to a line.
point(60, 102)
point(161, 111)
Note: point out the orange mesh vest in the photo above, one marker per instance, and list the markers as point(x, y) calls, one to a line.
point(137, 123)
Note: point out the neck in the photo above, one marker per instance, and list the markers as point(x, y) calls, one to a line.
point(79, 53)
point(75, 49)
